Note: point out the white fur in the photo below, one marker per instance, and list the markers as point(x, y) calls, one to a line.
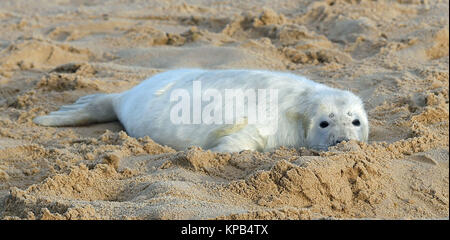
point(302, 104)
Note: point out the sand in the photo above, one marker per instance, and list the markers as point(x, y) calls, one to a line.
point(394, 54)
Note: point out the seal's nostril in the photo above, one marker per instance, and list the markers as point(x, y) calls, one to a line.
point(341, 140)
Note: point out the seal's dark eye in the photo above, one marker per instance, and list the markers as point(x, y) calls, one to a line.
point(324, 124)
point(356, 122)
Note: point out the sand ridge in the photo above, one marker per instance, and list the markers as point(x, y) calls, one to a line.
point(394, 54)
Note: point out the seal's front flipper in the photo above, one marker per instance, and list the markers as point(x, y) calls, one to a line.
point(88, 109)
point(241, 140)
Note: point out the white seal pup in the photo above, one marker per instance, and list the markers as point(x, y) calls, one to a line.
point(302, 112)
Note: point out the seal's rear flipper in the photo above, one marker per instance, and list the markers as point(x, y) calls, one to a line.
point(88, 109)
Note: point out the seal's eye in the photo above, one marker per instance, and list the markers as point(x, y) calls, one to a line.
point(324, 124)
point(356, 122)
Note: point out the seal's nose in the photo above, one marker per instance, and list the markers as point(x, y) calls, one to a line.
point(339, 140)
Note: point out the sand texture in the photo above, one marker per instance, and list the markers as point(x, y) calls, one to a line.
point(393, 54)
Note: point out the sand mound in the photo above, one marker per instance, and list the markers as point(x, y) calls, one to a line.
point(39, 54)
point(338, 184)
point(394, 54)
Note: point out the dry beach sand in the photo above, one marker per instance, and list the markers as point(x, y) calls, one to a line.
point(394, 54)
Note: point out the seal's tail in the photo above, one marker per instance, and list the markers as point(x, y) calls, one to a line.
point(88, 109)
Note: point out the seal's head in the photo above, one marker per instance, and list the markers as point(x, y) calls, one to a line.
point(336, 116)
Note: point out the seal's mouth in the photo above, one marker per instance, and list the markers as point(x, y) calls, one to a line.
point(322, 147)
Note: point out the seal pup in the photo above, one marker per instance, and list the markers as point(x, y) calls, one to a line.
point(305, 113)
